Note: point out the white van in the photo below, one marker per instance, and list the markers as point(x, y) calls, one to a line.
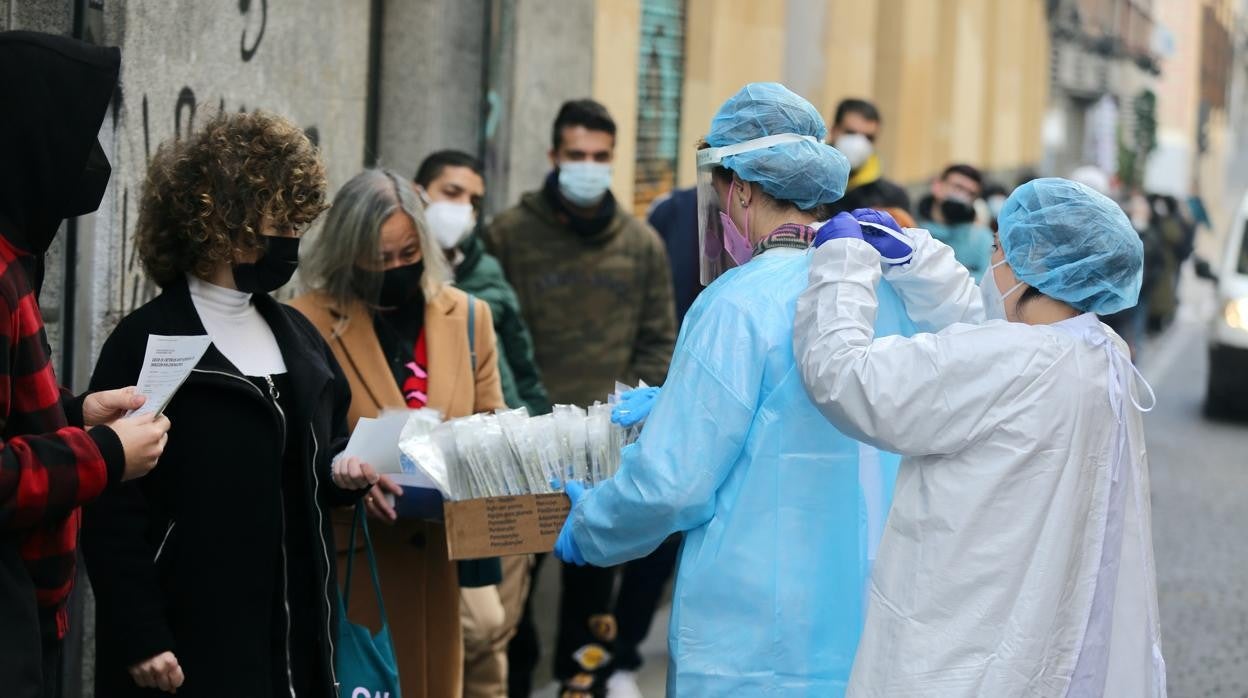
point(1228, 333)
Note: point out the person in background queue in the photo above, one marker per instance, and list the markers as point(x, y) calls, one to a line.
point(570, 250)
point(854, 131)
point(380, 294)
point(57, 452)
point(451, 183)
point(948, 213)
point(215, 577)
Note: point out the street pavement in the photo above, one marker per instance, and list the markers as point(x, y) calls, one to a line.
point(1199, 471)
point(1199, 474)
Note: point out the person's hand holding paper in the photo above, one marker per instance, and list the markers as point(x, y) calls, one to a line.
point(108, 405)
point(167, 363)
point(352, 473)
point(143, 438)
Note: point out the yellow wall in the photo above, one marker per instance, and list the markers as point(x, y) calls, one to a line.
point(849, 36)
point(955, 80)
point(617, 41)
point(728, 43)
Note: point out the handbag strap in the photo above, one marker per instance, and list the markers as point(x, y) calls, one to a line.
point(472, 332)
point(359, 518)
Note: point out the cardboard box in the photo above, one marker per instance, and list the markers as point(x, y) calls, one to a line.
point(500, 526)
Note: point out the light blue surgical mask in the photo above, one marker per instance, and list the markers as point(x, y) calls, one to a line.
point(584, 183)
point(994, 300)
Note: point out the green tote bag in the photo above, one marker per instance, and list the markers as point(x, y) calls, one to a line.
point(365, 663)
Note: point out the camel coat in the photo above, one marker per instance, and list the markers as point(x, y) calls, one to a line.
point(419, 582)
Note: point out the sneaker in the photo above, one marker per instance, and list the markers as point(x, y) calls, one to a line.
point(623, 684)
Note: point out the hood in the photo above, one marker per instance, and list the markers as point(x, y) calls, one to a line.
point(56, 91)
point(473, 250)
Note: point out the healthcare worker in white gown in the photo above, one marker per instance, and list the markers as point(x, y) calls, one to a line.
point(1017, 558)
point(781, 512)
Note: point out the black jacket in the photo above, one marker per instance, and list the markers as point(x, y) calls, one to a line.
point(192, 558)
point(882, 193)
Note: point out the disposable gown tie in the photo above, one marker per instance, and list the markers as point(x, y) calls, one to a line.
point(782, 512)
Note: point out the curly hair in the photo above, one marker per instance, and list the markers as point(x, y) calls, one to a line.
point(212, 195)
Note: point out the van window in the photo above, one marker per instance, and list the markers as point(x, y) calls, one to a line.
point(1243, 250)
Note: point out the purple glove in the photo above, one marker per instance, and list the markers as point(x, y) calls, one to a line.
point(842, 225)
point(882, 232)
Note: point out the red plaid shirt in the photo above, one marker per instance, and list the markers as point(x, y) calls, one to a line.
point(47, 468)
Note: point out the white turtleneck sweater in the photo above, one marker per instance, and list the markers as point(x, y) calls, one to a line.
point(236, 328)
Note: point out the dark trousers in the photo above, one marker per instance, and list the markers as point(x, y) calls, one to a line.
point(641, 589)
point(524, 650)
point(52, 668)
point(584, 617)
point(587, 592)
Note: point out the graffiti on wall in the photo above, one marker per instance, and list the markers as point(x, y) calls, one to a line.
point(249, 52)
point(659, 85)
point(143, 127)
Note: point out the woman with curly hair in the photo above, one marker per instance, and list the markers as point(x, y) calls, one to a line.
point(218, 577)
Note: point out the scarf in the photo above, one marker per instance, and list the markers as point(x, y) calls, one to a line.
point(869, 172)
point(790, 235)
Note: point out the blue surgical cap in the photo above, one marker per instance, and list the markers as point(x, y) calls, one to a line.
point(1073, 244)
point(806, 173)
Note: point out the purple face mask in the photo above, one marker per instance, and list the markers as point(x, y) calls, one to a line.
point(737, 244)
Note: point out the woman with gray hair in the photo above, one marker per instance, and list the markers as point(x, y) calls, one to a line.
point(401, 334)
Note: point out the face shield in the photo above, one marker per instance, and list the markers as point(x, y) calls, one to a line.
point(721, 246)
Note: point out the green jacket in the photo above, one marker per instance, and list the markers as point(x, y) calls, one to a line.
point(479, 273)
point(600, 307)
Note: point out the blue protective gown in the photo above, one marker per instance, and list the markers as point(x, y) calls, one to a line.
point(781, 512)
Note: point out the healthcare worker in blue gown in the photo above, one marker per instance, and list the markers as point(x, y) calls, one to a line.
point(781, 512)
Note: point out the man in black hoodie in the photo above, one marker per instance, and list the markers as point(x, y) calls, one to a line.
point(56, 92)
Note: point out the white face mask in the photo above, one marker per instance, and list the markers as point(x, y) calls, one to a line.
point(856, 148)
point(584, 183)
point(994, 300)
point(449, 222)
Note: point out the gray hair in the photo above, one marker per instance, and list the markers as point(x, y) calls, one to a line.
point(329, 258)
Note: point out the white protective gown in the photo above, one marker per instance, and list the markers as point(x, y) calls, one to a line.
point(1017, 558)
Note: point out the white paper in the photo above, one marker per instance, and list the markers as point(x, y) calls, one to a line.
point(376, 441)
point(167, 363)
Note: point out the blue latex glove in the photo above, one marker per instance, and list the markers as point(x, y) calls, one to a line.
point(842, 225)
point(634, 406)
point(566, 548)
point(882, 232)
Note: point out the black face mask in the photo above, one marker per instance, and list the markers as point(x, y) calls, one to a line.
point(90, 190)
point(400, 285)
point(956, 212)
point(274, 268)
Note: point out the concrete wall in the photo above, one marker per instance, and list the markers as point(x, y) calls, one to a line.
point(433, 55)
point(541, 56)
point(183, 61)
point(52, 16)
